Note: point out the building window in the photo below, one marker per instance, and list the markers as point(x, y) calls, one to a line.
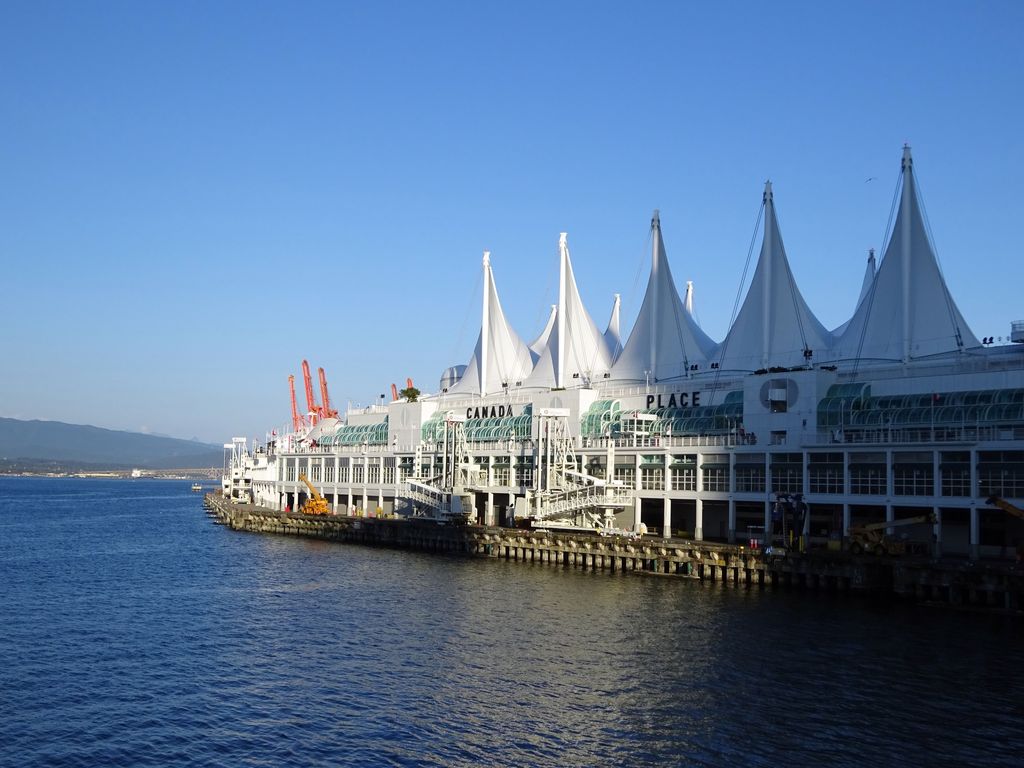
point(1001, 473)
point(787, 473)
point(501, 475)
point(329, 473)
point(913, 474)
point(315, 472)
point(868, 474)
point(357, 473)
point(750, 475)
point(374, 473)
point(826, 472)
point(716, 478)
point(955, 473)
point(343, 473)
point(652, 478)
point(912, 481)
point(684, 478)
point(626, 476)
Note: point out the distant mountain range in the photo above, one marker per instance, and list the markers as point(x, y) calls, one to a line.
point(54, 441)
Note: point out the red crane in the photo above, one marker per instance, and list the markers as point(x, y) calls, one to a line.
point(307, 378)
point(297, 420)
point(326, 411)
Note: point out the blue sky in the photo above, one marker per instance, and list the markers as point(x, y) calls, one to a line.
point(198, 195)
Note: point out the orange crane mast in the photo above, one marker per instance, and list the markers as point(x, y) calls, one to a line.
point(325, 400)
point(307, 379)
point(297, 420)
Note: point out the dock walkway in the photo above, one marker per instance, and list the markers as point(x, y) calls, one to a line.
point(996, 586)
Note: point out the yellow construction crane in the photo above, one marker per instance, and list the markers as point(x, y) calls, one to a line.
point(315, 504)
point(1003, 504)
point(872, 538)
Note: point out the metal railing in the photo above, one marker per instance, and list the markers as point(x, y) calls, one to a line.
point(582, 498)
point(946, 433)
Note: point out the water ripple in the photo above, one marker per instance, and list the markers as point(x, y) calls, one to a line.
point(136, 633)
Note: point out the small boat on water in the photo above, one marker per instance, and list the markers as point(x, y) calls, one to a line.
point(197, 487)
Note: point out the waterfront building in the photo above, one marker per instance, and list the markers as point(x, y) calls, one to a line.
point(899, 412)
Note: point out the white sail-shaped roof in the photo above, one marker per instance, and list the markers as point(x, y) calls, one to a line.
point(665, 341)
point(774, 326)
point(908, 311)
point(612, 337)
point(538, 344)
point(500, 357)
point(575, 352)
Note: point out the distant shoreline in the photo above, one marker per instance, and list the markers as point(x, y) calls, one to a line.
point(120, 474)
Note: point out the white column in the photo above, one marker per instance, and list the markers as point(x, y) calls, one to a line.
point(636, 513)
point(975, 532)
point(974, 491)
point(698, 520)
point(846, 520)
point(937, 532)
point(666, 528)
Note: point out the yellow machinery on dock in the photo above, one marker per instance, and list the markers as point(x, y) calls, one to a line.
point(315, 504)
point(1003, 504)
point(873, 539)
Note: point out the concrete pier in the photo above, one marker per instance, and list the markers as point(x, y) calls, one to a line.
point(995, 586)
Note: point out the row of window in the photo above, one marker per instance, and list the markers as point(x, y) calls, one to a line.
point(908, 479)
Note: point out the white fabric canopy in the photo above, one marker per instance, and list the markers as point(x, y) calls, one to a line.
point(612, 336)
point(665, 340)
point(500, 356)
point(576, 351)
point(774, 326)
point(908, 311)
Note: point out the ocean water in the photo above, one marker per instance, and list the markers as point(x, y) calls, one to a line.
point(135, 632)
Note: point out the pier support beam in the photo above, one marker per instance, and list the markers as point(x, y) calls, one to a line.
point(731, 526)
point(489, 516)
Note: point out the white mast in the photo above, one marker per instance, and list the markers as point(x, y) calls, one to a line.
point(688, 302)
point(908, 190)
point(766, 284)
point(652, 334)
point(563, 250)
point(485, 324)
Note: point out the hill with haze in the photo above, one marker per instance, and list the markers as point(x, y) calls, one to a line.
point(55, 441)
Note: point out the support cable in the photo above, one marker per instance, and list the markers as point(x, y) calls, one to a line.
point(938, 263)
point(870, 299)
point(739, 293)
